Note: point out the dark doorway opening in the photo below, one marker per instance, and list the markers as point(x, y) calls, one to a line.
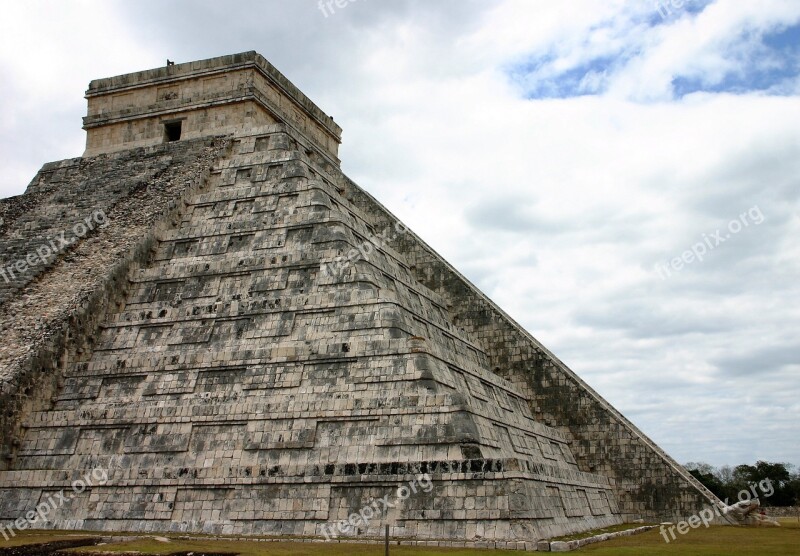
point(172, 131)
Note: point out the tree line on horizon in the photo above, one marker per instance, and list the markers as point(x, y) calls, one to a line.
point(727, 482)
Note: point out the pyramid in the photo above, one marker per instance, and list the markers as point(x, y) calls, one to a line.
point(235, 338)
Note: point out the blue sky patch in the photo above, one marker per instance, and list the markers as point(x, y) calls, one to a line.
point(786, 40)
point(586, 79)
point(770, 65)
point(778, 62)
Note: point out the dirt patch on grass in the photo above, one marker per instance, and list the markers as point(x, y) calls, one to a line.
point(48, 548)
point(101, 553)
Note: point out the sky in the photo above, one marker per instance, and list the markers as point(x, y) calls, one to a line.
point(622, 177)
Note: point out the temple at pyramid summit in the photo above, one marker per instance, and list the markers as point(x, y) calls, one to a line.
point(207, 327)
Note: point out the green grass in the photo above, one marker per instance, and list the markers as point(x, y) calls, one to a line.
point(280, 549)
point(149, 545)
point(715, 541)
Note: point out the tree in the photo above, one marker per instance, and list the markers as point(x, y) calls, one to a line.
point(772, 482)
point(700, 466)
point(709, 481)
point(794, 487)
point(725, 474)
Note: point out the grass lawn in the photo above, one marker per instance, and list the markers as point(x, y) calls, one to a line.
point(715, 541)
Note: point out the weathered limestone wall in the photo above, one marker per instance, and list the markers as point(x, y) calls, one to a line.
point(237, 387)
point(787, 511)
point(648, 483)
point(50, 313)
point(226, 119)
point(172, 95)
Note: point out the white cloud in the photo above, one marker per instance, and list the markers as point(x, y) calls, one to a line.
point(724, 38)
point(50, 52)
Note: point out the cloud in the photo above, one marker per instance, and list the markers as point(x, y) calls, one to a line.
point(641, 318)
point(763, 360)
point(628, 52)
point(50, 52)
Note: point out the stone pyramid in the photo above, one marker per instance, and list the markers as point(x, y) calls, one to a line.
point(243, 341)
